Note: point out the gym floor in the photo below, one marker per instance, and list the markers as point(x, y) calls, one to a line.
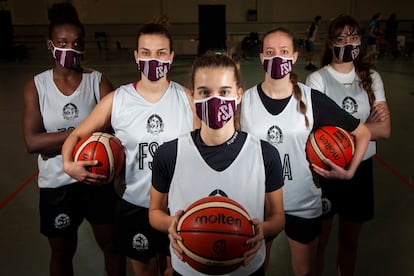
point(386, 245)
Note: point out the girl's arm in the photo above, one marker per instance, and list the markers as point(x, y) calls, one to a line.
point(160, 220)
point(105, 86)
point(362, 138)
point(98, 120)
point(36, 139)
point(273, 224)
point(379, 121)
point(158, 216)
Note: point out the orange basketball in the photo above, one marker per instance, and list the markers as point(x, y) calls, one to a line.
point(330, 142)
point(214, 231)
point(105, 148)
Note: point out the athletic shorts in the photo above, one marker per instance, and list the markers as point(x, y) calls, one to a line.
point(63, 209)
point(310, 46)
point(138, 240)
point(351, 199)
point(302, 230)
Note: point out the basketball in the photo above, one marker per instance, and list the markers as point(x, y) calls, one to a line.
point(214, 231)
point(330, 142)
point(105, 148)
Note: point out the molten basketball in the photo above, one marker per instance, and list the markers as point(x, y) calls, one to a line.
point(214, 231)
point(330, 142)
point(105, 148)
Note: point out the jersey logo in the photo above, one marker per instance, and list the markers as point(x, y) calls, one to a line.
point(62, 221)
point(349, 105)
point(218, 192)
point(326, 205)
point(140, 242)
point(274, 135)
point(70, 112)
point(155, 124)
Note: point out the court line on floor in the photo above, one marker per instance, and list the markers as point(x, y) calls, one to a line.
point(19, 189)
point(377, 157)
point(394, 172)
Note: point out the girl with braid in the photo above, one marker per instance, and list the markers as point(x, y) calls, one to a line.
point(284, 112)
point(350, 81)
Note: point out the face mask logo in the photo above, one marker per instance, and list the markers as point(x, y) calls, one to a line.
point(215, 111)
point(277, 67)
point(154, 69)
point(68, 58)
point(347, 52)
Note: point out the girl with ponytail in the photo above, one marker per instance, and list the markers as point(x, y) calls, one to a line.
point(348, 78)
point(284, 112)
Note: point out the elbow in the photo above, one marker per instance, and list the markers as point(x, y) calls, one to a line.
point(384, 134)
point(30, 143)
point(31, 151)
point(277, 225)
point(151, 219)
point(388, 132)
point(31, 148)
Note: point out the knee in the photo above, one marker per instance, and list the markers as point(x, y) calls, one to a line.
point(63, 248)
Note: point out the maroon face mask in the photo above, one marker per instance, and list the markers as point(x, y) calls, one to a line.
point(154, 69)
point(277, 67)
point(68, 58)
point(215, 111)
point(347, 52)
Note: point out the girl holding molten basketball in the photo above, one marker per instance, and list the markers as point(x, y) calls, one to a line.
point(217, 159)
point(351, 82)
point(284, 112)
point(55, 102)
point(143, 114)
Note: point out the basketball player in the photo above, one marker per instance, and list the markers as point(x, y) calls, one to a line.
point(143, 114)
point(283, 103)
point(218, 160)
point(351, 82)
point(56, 101)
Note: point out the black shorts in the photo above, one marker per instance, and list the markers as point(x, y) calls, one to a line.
point(138, 240)
point(310, 46)
point(351, 199)
point(63, 209)
point(302, 230)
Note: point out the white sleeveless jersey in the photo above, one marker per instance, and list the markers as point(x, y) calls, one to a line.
point(60, 113)
point(352, 98)
point(288, 133)
point(243, 181)
point(142, 127)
